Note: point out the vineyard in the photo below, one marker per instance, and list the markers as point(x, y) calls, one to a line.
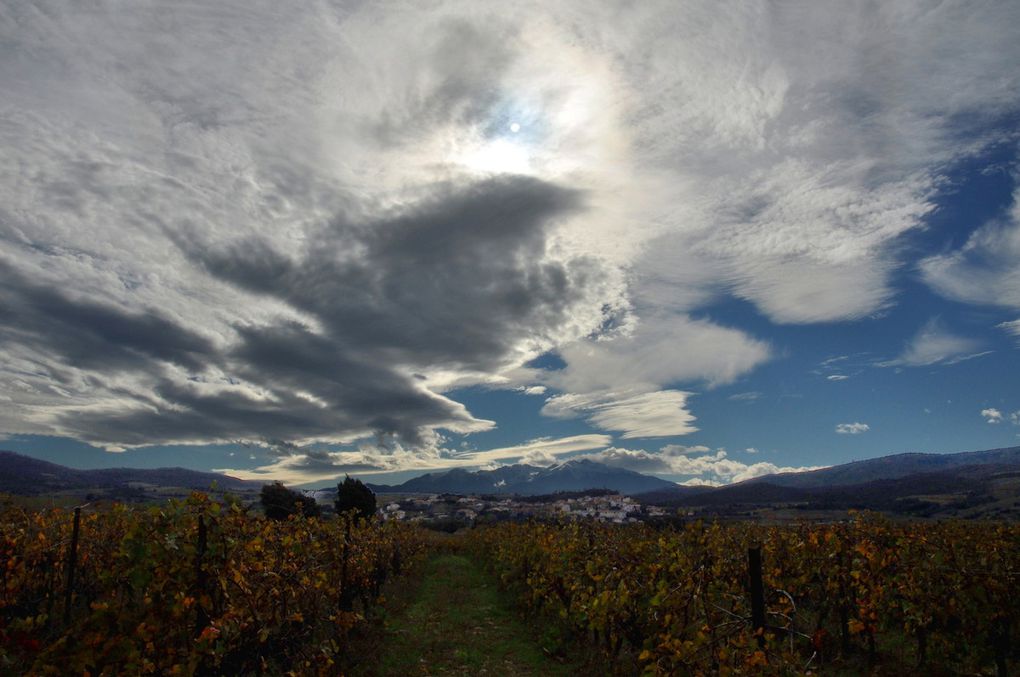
point(201, 587)
point(191, 587)
point(867, 595)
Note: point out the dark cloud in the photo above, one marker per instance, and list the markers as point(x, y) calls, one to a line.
point(460, 281)
point(359, 392)
point(91, 335)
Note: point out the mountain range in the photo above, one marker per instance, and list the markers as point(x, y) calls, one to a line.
point(529, 480)
point(985, 483)
point(892, 467)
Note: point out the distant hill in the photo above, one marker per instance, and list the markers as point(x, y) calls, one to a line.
point(891, 467)
point(25, 475)
point(529, 480)
point(917, 484)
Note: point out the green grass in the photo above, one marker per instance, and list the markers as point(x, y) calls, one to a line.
point(458, 623)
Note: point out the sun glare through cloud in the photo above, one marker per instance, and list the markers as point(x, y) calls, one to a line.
point(500, 156)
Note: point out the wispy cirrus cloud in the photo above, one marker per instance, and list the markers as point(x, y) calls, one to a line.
point(934, 344)
point(986, 269)
point(1011, 327)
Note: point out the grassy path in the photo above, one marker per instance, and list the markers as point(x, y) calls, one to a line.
point(457, 623)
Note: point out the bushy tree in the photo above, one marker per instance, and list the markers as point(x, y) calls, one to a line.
point(352, 494)
point(279, 502)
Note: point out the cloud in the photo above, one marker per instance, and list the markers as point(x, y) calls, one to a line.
point(704, 467)
point(242, 253)
point(553, 447)
point(933, 344)
point(793, 200)
point(837, 377)
point(651, 414)
point(313, 225)
point(659, 351)
point(680, 449)
point(749, 396)
point(619, 382)
point(1014, 418)
point(1011, 327)
point(986, 269)
point(699, 463)
point(348, 371)
point(297, 465)
point(533, 390)
point(852, 428)
point(991, 415)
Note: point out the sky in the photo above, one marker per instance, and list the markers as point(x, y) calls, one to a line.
point(702, 240)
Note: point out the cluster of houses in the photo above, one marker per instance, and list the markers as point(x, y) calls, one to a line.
point(473, 509)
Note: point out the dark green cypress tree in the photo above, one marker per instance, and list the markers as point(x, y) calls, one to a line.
point(279, 502)
point(352, 494)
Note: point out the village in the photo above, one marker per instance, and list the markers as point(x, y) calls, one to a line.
point(603, 507)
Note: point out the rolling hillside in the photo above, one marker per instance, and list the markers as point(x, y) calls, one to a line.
point(30, 476)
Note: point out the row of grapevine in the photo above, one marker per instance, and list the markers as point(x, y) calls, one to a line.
point(192, 587)
point(924, 597)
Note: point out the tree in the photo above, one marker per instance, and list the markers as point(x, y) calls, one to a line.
point(279, 502)
point(352, 494)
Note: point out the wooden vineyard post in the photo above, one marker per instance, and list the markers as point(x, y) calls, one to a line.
point(346, 596)
point(72, 562)
point(757, 593)
point(201, 615)
point(1001, 645)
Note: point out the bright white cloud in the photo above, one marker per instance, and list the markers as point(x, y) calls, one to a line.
point(680, 449)
point(991, 415)
point(659, 351)
point(837, 377)
point(791, 196)
point(620, 382)
point(852, 428)
point(705, 467)
point(660, 413)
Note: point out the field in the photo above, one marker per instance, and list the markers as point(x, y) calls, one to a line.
point(864, 596)
point(190, 587)
point(200, 587)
